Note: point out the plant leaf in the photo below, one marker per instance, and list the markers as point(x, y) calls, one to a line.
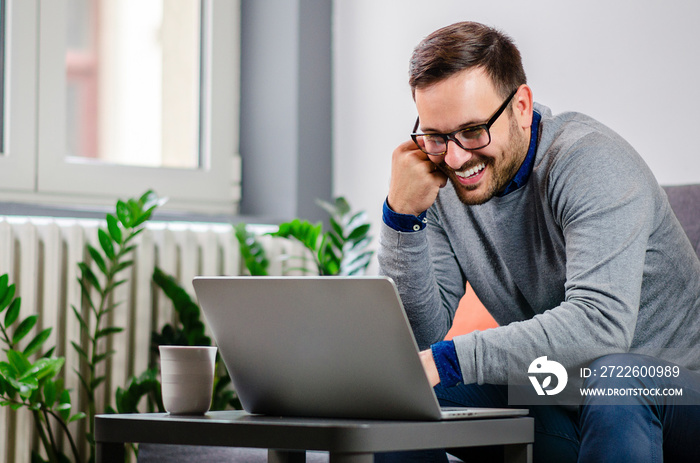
point(64, 405)
point(326, 206)
point(76, 417)
point(124, 214)
point(18, 362)
point(37, 342)
point(43, 368)
point(109, 289)
point(82, 380)
point(356, 264)
point(85, 292)
point(24, 328)
point(97, 381)
point(104, 356)
point(360, 217)
point(8, 371)
point(128, 249)
point(83, 325)
point(148, 199)
point(342, 206)
point(254, 256)
point(50, 393)
point(27, 386)
point(122, 265)
point(97, 258)
point(89, 276)
point(133, 235)
point(13, 311)
point(335, 240)
point(80, 350)
point(359, 233)
point(113, 228)
point(108, 331)
point(336, 227)
point(106, 243)
point(5, 296)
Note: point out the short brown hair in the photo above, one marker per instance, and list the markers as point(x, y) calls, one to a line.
point(462, 46)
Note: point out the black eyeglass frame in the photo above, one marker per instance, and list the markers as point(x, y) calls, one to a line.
point(451, 136)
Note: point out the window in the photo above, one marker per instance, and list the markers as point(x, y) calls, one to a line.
point(118, 97)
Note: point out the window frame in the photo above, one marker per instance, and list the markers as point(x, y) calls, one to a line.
point(17, 169)
point(37, 171)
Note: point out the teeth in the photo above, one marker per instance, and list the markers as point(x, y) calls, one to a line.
point(468, 173)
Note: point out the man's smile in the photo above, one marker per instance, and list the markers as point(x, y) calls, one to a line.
point(466, 174)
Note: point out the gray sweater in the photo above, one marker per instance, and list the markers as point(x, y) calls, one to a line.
point(585, 259)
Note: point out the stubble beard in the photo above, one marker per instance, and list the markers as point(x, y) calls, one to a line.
point(501, 172)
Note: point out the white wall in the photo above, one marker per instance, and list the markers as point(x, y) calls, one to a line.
point(632, 64)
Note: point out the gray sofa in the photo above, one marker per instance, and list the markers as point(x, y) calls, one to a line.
point(685, 201)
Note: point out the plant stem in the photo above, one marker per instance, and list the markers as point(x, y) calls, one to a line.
point(51, 446)
point(92, 407)
point(7, 339)
point(50, 450)
point(63, 425)
point(48, 428)
point(99, 313)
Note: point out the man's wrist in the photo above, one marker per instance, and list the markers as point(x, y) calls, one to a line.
point(447, 363)
point(403, 222)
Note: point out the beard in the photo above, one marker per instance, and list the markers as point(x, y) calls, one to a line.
point(501, 170)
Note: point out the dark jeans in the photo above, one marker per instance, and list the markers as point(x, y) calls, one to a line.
point(643, 428)
point(639, 428)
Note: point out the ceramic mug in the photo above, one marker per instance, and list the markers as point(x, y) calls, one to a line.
point(187, 378)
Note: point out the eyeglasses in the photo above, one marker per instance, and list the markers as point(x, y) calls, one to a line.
point(471, 138)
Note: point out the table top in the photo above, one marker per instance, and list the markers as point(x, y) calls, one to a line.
point(240, 429)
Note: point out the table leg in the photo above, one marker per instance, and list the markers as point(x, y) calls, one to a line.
point(520, 453)
point(109, 452)
point(285, 456)
point(351, 457)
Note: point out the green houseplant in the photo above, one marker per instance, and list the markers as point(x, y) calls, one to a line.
point(109, 261)
point(342, 250)
point(33, 384)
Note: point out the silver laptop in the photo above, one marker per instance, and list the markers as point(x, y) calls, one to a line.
point(334, 347)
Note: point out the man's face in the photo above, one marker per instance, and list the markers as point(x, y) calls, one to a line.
point(467, 99)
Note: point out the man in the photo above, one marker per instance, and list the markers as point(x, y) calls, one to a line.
point(565, 236)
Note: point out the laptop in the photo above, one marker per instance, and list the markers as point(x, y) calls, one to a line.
point(322, 347)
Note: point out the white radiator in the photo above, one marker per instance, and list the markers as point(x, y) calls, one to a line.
point(41, 256)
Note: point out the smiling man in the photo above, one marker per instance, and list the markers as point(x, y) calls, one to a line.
point(564, 234)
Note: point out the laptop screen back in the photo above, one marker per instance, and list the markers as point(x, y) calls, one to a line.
point(317, 346)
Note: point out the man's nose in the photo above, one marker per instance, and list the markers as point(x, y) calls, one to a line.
point(456, 156)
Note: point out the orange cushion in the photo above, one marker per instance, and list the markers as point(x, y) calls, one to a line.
point(471, 315)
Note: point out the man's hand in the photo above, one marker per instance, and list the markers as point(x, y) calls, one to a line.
point(431, 371)
point(415, 180)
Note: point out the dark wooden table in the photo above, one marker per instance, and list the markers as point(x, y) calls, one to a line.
point(347, 441)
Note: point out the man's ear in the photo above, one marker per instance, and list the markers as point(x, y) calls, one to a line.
point(522, 108)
